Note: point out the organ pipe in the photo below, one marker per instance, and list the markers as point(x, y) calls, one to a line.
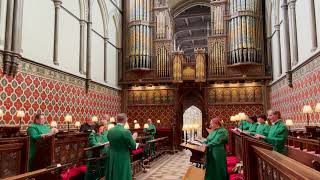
point(245, 31)
point(140, 37)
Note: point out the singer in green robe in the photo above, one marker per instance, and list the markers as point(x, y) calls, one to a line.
point(216, 163)
point(244, 125)
point(263, 126)
point(278, 133)
point(253, 124)
point(121, 144)
point(36, 131)
point(96, 170)
point(151, 130)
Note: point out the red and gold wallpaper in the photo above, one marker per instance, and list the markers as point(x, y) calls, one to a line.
point(39, 89)
point(305, 91)
point(225, 111)
point(165, 113)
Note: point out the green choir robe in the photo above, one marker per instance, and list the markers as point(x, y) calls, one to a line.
point(35, 131)
point(277, 136)
point(121, 144)
point(96, 170)
point(244, 125)
point(253, 127)
point(216, 163)
point(262, 129)
point(152, 131)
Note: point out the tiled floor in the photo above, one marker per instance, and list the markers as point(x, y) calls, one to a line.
point(172, 168)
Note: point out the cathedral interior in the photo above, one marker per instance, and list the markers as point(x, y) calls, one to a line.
point(175, 65)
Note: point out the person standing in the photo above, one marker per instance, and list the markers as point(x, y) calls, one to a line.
point(216, 162)
point(151, 130)
point(121, 142)
point(37, 130)
point(278, 133)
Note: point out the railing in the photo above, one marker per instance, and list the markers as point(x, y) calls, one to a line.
point(255, 153)
point(13, 156)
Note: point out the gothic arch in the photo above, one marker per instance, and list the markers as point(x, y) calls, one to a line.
point(184, 5)
point(104, 14)
point(115, 17)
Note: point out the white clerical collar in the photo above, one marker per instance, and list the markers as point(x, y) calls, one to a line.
point(120, 124)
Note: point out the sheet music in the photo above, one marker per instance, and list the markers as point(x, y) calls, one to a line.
point(196, 143)
point(137, 145)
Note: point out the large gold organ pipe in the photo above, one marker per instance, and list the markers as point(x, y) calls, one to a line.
point(177, 66)
point(140, 37)
point(245, 31)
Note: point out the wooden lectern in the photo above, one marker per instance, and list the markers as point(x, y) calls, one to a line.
point(198, 153)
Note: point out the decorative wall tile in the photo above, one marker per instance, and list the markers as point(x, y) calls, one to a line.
point(305, 91)
point(38, 89)
point(165, 113)
point(225, 111)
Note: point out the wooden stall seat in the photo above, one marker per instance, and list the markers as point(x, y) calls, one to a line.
point(13, 156)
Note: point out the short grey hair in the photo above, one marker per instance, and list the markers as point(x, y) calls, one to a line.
point(121, 118)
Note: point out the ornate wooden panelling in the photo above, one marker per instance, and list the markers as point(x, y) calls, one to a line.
point(229, 95)
point(159, 96)
point(37, 88)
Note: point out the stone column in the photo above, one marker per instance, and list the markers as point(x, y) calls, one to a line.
point(293, 32)
point(89, 33)
point(8, 37)
point(106, 59)
point(290, 50)
point(16, 36)
point(277, 36)
point(82, 50)
point(57, 6)
point(314, 37)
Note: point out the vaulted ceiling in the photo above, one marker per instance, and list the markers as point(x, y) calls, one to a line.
point(191, 29)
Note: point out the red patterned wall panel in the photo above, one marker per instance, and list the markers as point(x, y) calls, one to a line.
point(165, 113)
point(225, 111)
point(38, 89)
point(305, 91)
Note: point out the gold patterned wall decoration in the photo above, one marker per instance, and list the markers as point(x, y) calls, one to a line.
point(200, 65)
point(156, 96)
point(229, 95)
point(177, 66)
point(188, 73)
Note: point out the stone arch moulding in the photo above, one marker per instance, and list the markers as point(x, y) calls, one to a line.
point(115, 17)
point(104, 14)
point(83, 10)
point(184, 5)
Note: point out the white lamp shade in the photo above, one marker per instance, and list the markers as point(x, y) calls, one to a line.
point(53, 124)
point(184, 127)
point(146, 126)
point(158, 121)
point(68, 118)
point(20, 114)
point(232, 119)
point(136, 126)
point(126, 126)
point(307, 109)
point(1, 113)
point(242, 116)
point(94, 119)
point(110, 126)
point(135, 121)
point(237, 117)
point(289, 122)
point(317, 108)
point(112, 120)
point(77, 124)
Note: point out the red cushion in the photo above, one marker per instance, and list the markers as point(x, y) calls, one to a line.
point(83, 168)
point(236, 177)
point(73, 172)
point(137, 151)
point(232, 160)
point(229, 169)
